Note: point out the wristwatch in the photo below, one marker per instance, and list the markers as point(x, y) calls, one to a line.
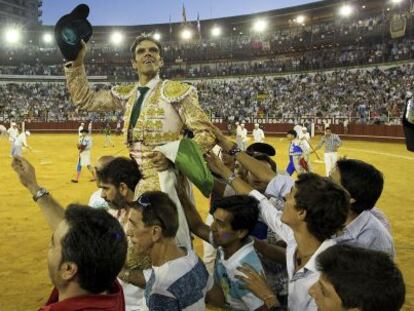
point(231, 178)
point(234, 150)
point(40, 193)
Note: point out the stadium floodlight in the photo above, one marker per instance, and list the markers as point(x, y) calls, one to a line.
point(396, 1)
point(186, 34)
point(260, 25)
point(47, 37)
point(216, 31)
point(300, 19)
point(157, 36)
point(12, 35)
point(345, 10)
point(117, 38)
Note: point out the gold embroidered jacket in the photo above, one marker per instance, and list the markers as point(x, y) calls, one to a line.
point(170, 106)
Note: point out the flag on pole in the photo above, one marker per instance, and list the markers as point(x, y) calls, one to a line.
point(171, 30)
point(184, 15)
point(198, 24)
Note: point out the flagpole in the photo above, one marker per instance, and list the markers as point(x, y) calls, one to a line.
point(170, 27)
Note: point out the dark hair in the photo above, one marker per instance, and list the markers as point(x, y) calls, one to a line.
point(264, 157)
point(363, 182)
point(292, 132)
point(326, 204)
point(103, 161)
point(327, 128)
point(144, 37)
point(121, 170)
point(96, 243)
point(158, 209)
point(363, 278)
point(243, 208)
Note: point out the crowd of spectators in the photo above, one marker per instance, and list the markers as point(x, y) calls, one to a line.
point(371, 95)
point(43, 102)
point(364, 40)
point(325, 57)
point(359, 94)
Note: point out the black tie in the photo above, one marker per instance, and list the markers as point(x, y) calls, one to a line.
point(137, 106)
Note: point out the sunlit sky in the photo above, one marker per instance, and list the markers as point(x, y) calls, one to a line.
point(140, 12)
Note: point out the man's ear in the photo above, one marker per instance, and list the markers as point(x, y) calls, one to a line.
point(123, 189)
point(301, 214)
point(68, 270)
point(161, 62)
point(156, 233)
point(134, 64)
point(241, 234)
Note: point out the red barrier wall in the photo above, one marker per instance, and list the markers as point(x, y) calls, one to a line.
point(354, 131)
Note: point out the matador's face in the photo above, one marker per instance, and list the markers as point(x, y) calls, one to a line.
point(148, 60)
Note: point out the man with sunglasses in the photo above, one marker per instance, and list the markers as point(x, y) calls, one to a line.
point(178, 279)
point(117, 181)
point(155, 112)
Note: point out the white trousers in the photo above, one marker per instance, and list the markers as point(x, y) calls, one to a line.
point(330, 161)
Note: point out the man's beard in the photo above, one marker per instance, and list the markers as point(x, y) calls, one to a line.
point(118, 202)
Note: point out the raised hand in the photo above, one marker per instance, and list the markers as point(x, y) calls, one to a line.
point(79, 61)
point(26, 173)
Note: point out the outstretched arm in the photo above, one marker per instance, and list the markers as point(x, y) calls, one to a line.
point(52, 210)
point(218, 167)
point(256, 167)
point(82, 95)
point(196, 224)
point(197, 121)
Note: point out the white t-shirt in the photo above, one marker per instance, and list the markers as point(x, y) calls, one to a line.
point(258, 135)
point(243, 133)
point(20, 140)
point(299, 281)
point(13, 133)
point(179, 284)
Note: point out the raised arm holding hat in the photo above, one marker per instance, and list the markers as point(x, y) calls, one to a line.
point(155, 111)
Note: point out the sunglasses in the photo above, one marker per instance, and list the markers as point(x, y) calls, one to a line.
point(145, 204)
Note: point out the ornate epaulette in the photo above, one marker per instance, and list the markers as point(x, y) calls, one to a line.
point(123, 91)
point(175, 91)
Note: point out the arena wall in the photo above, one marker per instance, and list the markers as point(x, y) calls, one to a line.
point(370, 132)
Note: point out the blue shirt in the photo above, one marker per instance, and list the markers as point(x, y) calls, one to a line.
point(368, 232)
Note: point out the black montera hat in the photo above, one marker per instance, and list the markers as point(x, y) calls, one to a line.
point(262, 148)
point(71, 29)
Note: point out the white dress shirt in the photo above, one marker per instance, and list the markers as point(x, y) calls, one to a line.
point(300, 281)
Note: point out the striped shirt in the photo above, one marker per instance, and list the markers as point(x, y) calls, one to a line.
point(179, 284)
point(332, 142)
